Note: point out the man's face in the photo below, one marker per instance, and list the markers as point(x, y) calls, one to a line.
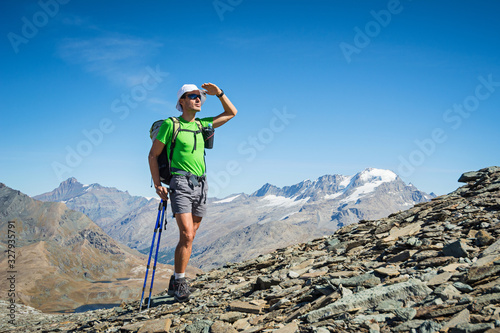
point(191, 101)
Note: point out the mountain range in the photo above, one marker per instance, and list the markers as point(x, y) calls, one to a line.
point(243, 226)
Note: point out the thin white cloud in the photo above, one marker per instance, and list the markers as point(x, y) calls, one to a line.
point(162, 106)
point(77, 21)
point(118, 58)
point(243, 42)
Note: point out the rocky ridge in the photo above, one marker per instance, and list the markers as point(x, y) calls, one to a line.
point(103, 205)
point(432, 268)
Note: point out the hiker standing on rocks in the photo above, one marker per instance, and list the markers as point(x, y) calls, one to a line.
point(188, 186)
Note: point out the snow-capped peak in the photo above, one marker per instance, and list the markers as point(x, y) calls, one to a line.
point(372, 174)
point(226, 200)
point(367, 181)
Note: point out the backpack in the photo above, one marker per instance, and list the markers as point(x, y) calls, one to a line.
point(164, 161)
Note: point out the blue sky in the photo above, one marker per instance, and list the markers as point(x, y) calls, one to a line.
point(322, 87)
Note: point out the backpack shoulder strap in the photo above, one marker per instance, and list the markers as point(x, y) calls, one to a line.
point(175, 128)
point(175, 132)
point(198, 122)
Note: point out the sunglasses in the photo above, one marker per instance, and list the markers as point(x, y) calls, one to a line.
point(193, 96)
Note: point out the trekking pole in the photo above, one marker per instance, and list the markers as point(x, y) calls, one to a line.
point(156, 254)
point(160, 208)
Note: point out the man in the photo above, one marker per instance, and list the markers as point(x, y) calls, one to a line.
point(188, 188)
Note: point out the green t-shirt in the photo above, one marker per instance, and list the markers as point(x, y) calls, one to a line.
point(184, 157)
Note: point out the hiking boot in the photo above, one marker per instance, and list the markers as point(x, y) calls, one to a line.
point(182, 292)
point(171, 286)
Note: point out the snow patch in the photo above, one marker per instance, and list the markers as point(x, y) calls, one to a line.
point(288, 215)
point(344, 183)
point(226, 200)
point(274, 200)
point(89, 188)
point(333, 196)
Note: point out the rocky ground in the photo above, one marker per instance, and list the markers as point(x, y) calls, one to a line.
point(432, 268)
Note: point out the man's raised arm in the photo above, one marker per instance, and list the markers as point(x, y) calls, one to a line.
point(229, 109)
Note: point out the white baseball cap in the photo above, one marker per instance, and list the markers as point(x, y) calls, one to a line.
point(186, 88)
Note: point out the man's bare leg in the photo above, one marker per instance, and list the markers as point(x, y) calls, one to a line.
point(188, 225)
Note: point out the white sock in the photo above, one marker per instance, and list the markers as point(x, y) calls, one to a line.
point(179, 275)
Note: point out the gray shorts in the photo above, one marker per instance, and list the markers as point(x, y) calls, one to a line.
point(185, 197)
